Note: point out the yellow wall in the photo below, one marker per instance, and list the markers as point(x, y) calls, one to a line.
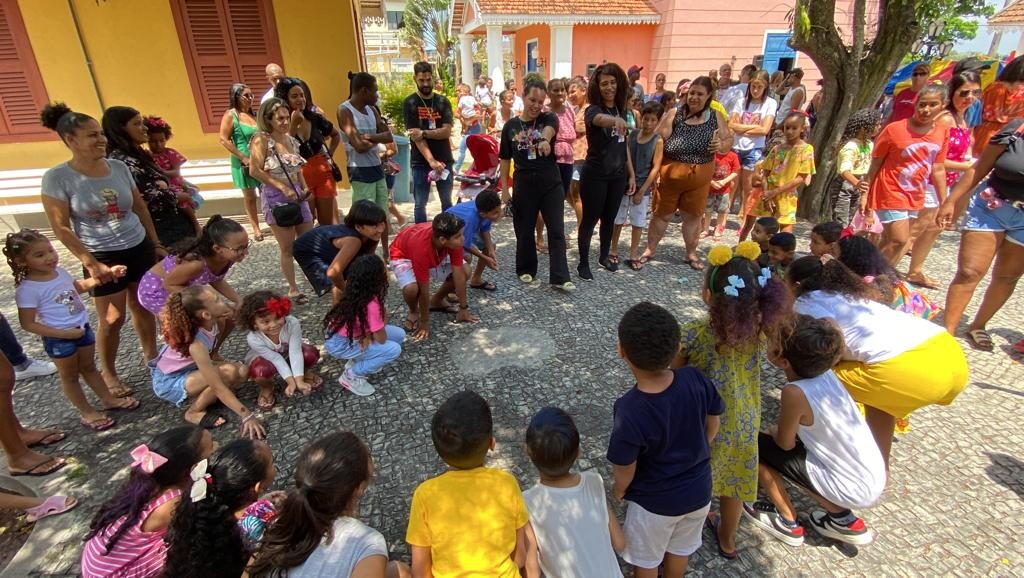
point(138, 61)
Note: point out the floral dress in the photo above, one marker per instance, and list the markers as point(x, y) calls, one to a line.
point(737, 375)
point(160, 196)
point(782, 165)
point(285, 167)
point(959, 149)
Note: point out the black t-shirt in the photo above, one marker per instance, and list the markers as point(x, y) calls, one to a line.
point(606, 149)
point(519, 141)
point(418, 113)
point(1007, 176)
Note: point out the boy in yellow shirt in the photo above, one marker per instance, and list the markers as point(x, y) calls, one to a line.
point(470, 520)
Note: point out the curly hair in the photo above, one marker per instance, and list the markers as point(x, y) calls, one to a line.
point(756, 312)
point(810, 274)
point(254, 305)
point(649, 336)
point(215, 232)
point(861, 122)
point(865, 260)
point(155, 124)
point(178, 319)
point(202, 539)
point(15, 248)
point(621, 86)
point(367, 279)
point(328, 475)
point(181, 447)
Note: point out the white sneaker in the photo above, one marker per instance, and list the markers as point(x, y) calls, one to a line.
point(349, 364)
point(357, 384)
point(35, 369)
point(568, 287)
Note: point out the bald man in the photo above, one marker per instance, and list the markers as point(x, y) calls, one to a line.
point(274, 75)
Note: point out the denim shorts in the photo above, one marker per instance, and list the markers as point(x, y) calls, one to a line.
point(170, 386)
point(58, 348)
point(749, 159)
point(1004, 219)
point(893, 215)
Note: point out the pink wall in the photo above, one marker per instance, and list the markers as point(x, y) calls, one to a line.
point(621, 44)
point(543, 35)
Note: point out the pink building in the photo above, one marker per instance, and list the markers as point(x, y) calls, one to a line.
point(683, 39)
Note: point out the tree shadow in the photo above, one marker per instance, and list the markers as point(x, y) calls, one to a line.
point(1007, 471)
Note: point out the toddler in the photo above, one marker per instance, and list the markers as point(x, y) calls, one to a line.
point(854, 162)
point(274, 334)
point(470, 520)
point(727, 171)
point(659, 445)
point(834, 459)
point(49, 306)
point(763, 230)
point(570, 515)
point(170, 162)
point(645, 150)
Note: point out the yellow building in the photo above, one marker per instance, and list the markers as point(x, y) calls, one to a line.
point(171, 58)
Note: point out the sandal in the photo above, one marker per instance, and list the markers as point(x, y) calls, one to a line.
point(712, 525)
point(980, 340)
point(316, 383)
point(257, 237)
point(448, 307)
point(53, 436)
point(266, 403)
point(410, 324)
point(613, 258)
point(126, 404)
point(485, 286)
point(39, 469)
point(695, 264)
point(102, 424)
point(1019, 346)
point(50, 507)
point(121, 390)
point(299, 298)
point(644, 259)
point(209, 420)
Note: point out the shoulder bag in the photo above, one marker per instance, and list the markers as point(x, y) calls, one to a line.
point(287, 214)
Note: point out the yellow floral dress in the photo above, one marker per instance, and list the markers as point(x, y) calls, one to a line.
point(737, 375)
point(782, 165)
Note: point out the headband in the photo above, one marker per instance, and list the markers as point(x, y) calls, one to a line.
point(722, 254)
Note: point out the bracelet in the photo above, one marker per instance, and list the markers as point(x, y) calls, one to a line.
point(251, 416)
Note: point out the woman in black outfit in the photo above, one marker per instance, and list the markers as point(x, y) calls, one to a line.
point(537, 187)
point(125, 134)
point(608, 172)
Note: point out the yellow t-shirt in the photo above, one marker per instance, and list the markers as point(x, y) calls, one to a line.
point(468, 519)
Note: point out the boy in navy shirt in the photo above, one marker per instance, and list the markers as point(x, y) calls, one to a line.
point(478, 216)
point(659, 446)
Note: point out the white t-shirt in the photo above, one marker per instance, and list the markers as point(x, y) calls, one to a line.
point(483, 94)
point(873, 332)
point(843, 460)
point(268, 95)
point(733, 96)
point(351, 542)
point(56, 301)
point(753, 114)
point(517, 105)
point(572, 529)
point(468, 106)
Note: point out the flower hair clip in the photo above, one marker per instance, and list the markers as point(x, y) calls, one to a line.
point(735, 284)
point(146, 459)
point(279, 306)
point(200, 481)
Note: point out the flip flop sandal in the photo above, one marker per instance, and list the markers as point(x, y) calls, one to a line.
point(55, 436)
point(449, 308)
point(695, 264)
point(122, 391)
point(410, 324)
point(712, 526)
point(50, 507)
point(209, 420)
point(980, 340)
point(634, 264)
point(35, 471)
point(316, 383)
point(102, 424)
point(645, 259)
point(485, 286)
point(299, 298)
point(131, 405)
point(1019, 346)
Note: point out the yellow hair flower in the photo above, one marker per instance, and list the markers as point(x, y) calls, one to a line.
point(719, 255)
point(749, 250)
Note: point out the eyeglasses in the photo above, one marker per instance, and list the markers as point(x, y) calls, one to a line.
point(968, 92)
point(247, 95)
point(243, 249)
point(920, 74)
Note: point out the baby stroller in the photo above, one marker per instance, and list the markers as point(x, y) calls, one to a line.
point(483, 173)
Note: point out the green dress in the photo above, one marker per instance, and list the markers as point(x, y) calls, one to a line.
point(241, 134)
point(737, 375)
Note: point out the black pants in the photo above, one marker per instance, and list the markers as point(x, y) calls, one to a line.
point(601, 197)
point(534, 194)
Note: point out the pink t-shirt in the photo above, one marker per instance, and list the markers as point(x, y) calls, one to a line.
point(137, 554)
point(374, 317)
point(566, 135)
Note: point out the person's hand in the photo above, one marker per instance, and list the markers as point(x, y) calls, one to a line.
point(620, 126)
point(161, 184)
point(305, 194)
point(544, 148)
point(464, 316)
point(631, 187)
point(862, 186)
point(245, 161)
point(160, 251)
point(276, 498)
point(183, 197)
point(869, 218)
point(768, 194)
point(945, 214)
point(253, 428)
point(414, 134)
point(119, 271)
point(365, 341)
point(490, 262)
point(716, 143)
point(437, 165)
point(638, 197)
point(422, 332)
point(303, 387)
point(99, 271)
point(74, 333)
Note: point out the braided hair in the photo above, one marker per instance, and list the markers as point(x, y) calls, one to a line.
point(14, 249)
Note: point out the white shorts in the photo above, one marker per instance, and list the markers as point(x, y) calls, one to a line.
point(649, 536)
point(931, 198)
point(406, 276)
point(635, 214)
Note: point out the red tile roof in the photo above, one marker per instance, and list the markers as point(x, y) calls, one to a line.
point(1012, 15)
point(568, 7)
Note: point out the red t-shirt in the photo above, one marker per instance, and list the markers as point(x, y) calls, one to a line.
point(903, 105)
point(416, 243)
point(907, 166)
point(725, 165)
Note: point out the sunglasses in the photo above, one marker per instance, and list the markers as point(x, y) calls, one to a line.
point(966, 93)
point(920, 74)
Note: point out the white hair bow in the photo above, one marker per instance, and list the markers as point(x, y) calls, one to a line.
point(200, 481)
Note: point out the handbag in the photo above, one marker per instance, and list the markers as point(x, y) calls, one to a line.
point(287, 214)
point(335, 171)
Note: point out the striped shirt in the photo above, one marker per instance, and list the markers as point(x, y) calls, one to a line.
point(137, 554)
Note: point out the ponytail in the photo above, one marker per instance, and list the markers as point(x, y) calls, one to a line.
point(214, 233)
point(178, 319)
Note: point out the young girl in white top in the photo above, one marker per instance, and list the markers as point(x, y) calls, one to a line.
point(49, 306)
point(273, 335)
point(821, 443)
point(316, 532)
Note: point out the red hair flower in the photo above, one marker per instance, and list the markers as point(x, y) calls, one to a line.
point(279, 306)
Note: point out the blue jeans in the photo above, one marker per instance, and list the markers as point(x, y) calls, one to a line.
point(9, 344)
point(374, 357)
point(475, 129)
point(421, 191)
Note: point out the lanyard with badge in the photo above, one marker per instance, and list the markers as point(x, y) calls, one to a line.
point(430, 115)
point(531, 139)
point(614, 131)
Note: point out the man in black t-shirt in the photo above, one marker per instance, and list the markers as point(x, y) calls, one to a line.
point(428, 122)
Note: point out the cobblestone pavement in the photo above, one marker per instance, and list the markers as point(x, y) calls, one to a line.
point(957, 478)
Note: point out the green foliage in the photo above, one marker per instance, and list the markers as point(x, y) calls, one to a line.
point(962, 17)
point(392, 93)
point(425, 30)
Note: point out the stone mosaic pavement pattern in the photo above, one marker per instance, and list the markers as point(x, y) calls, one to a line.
point(958, 476)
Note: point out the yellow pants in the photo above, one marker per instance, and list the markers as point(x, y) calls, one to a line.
point(934, 372)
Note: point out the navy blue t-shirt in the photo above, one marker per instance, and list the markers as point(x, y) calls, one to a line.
point(664, 434)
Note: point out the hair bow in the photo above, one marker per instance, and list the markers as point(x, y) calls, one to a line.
point(147, 459)
point(279, 306)
point(869, 278)
point(846, 233)
point(735, 284)
point(825, 258)
point(200, 481)
point(763, 278)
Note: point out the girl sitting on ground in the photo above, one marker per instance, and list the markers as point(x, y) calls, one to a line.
point(126, 537)
point(214, 532)
point(276, 347)
point(170, 162)
point(184, 370)
point(49, 306)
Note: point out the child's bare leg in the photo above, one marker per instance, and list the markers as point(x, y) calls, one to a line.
point(705, 224)
point(616, 232)
point(478, 272)
point(411, 295)
point(775, 489)
point(882, 426)
point(397, 569)
point(722, 220)
point(675, 566)
point(748, 224)
point(634, 243)
point(67, 368)
point(226, 326)
point(540, 234)
point(266, 386)
point(729, 513)
point(86, 363)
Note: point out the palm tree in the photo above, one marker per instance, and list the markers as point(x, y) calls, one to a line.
point(426, 30)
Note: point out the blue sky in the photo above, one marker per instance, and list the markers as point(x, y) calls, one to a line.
point(983, 40)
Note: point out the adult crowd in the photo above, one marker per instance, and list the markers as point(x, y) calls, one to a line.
point(120, 206)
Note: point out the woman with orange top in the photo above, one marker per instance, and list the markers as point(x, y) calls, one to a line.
point(1002, 101)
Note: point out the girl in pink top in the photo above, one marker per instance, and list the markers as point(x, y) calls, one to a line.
point(564, 138)
point(126, 537)
point(170, 162)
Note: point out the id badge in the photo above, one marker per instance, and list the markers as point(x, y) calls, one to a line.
point(531, 153)
point(622, 138)
point(430, 124)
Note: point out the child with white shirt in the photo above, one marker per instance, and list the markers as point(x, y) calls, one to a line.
point(276, 347)
point(577, 533)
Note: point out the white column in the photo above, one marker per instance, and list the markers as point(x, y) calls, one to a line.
point(466, 58)
point(561, 51)
point(495, 57)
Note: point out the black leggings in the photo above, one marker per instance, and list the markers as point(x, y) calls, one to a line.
point(539, 194)
point(601, 198)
